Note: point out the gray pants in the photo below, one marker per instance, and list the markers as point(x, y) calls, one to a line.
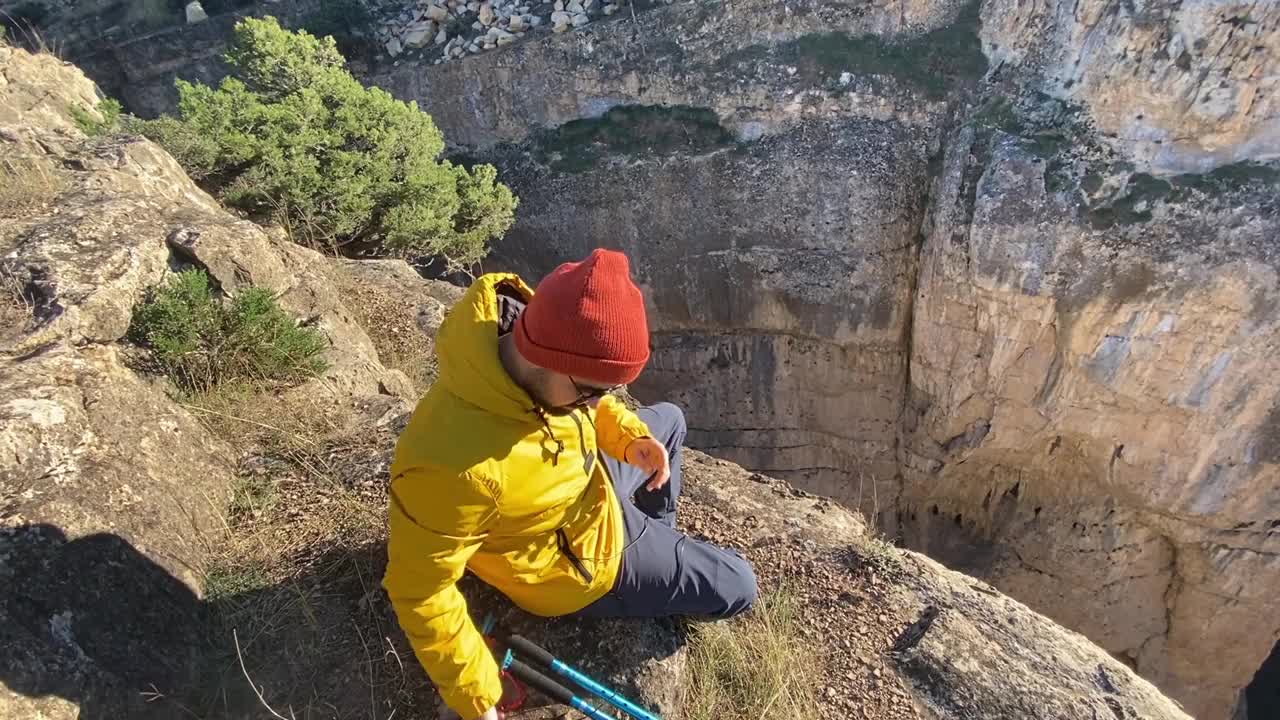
point(664, 572)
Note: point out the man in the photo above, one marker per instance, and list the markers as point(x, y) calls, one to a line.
point(520, 466)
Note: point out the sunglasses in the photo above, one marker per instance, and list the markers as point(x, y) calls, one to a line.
point(587, 393)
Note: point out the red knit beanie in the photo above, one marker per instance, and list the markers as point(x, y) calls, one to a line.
point(587, 319)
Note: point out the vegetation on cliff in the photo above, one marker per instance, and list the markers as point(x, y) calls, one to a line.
point(201, 343)
point(292, 135)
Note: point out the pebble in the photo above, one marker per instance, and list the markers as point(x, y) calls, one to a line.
point(442, 37)
point(535, 21)
point(560, 19)
point(393, 47)
point(477, 25)
point(559, 6)
point(486, 14)
point(610, 9)
point(580, 20)
point(437, 13)
point(516, 23)
point(473, 6)
point(574, 7)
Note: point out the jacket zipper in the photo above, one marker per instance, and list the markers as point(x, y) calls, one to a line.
point(563, 541)
point(582, 444)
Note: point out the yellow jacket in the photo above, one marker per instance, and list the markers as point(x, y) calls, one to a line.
point(481, 481)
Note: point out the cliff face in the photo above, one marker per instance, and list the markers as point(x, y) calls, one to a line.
point(1025, 322)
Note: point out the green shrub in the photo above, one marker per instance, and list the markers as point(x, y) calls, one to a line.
point(108, 108)
point(200, 342)
point(291, 134)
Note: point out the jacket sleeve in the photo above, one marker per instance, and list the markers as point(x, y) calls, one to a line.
point(617, 426)
point(437, 522)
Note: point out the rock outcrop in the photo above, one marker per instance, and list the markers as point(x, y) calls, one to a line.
point(108, 486)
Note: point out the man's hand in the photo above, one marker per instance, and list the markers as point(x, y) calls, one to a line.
point(491, 714)
point(651, 456)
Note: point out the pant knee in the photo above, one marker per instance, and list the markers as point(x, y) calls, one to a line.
point(738, 587)
point(671, 419)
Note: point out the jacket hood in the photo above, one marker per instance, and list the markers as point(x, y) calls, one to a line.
point(467, 348)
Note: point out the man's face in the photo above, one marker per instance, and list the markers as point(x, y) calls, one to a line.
point(566, 392)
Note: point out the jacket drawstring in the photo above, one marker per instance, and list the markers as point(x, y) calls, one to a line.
point(546, 428)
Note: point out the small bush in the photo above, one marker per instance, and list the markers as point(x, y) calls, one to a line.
point(758, 666)
point(201, 343)
point(108, 108)
point(292, 135)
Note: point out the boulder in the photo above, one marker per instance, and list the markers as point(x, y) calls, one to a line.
point(195, 12)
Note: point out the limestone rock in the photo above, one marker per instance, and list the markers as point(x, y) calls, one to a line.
point(438, 13)
point(442, 37)
point(486, 14)
point(580, 19)
point(560, 21)
point(195, 12)
point(1166, 50)
point(419, 35)
point(393, 47)
point(516, 24)
point(574, 7)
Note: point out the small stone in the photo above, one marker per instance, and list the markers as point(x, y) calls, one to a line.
point(195, 12)
point(438, 61)
point(473, 48)
point(418, 37)
point(393, 47)
point(437, 13)
point(477, 25)
point(561, 18)
point(876, 672)
point(574, 7)
point(486, 14)
point(523, 9)
point(473, 6)
point(535, 21)
point(442, 37)
point(610, 9)
point(516, 24)
point(580, 20)
point(506, 40)
point(559, 6)
point(457, 51)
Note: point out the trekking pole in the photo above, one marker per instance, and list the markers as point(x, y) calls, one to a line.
point(526, 647)
point(551, 688)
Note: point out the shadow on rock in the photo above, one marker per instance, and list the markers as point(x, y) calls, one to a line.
point(93, 623)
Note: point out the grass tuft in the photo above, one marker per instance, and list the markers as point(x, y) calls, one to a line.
point(202, 343)
point(27, 186)
point(757, 666)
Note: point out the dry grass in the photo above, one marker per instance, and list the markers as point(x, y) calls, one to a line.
point(297, 581)
point(757, 667)
point(28, 185)
point(392, 325)
point(16, 308)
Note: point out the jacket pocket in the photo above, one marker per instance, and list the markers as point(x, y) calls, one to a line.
point(562, 541)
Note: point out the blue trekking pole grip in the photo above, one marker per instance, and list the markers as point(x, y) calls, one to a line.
point(525, 647)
